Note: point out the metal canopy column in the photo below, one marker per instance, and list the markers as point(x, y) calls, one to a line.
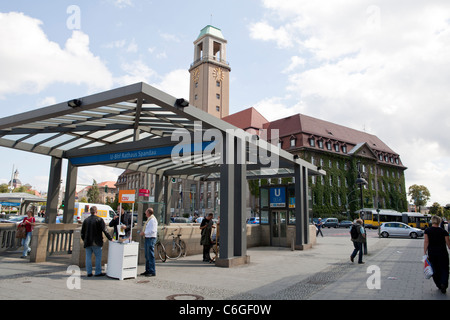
point(53, 190)
point(69, 197)
point(305, 206)
point(227, 185)
point(240, 188)
point(301, 207)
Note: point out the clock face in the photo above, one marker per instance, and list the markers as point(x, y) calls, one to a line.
point(195, 75)
point(218, 74)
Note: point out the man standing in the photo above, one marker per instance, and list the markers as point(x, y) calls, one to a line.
point(149, 231)
point(92, 232)
point(122, 221)
point(206, 227)
point(358, 236)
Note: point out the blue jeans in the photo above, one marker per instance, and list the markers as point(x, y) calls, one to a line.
point(97, 251)
point(358, 247)
point(150, 255)
point(26, 244)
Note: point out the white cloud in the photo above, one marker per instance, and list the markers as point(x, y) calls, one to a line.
point(122, 3)
point(136, 71)
point(47, 101)
point(29, 61)
point(175, 83)
point(383, 67)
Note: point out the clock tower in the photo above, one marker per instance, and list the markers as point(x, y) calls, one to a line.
point(210, 73)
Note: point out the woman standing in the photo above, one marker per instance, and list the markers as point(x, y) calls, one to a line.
point(29, 223)
point(436, 240)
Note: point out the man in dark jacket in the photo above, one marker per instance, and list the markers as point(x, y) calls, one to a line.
point(358, 241)
point(92, 232)
point(122, 221)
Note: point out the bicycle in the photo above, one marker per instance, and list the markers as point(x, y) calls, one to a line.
point(177, 248)
point(160, 250)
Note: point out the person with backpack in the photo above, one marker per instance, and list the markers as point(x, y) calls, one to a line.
point(358, 237)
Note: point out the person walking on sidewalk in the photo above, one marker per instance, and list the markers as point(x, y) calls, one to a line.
point(92, 232)
point(29, 223)
point(358, 237)
point(436, 241)
point(319, 225)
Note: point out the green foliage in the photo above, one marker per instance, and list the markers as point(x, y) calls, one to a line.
point(93, 193)
point(419, 195)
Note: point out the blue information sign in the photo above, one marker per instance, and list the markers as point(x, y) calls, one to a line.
point(278, 197)
point(158, 152)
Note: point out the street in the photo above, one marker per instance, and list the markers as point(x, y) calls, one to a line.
point(392, 271)
point(345, 232)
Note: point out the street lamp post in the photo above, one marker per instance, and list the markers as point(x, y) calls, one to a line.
point(361, 182)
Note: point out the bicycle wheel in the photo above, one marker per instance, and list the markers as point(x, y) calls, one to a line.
point(173, 250)
point(161, 252)
point(183, 248)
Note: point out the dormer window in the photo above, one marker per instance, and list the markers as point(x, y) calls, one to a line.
point(320, 144)
point(293, 139)
point(336, 147)
point(312, 142)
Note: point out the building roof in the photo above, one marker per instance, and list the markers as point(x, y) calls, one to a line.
point(110, 184)
point(304, 124)
point(247, 119)
point(211, 30)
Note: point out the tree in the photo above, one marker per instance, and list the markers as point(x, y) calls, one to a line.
point(419, 195)
point(437, 210)
point(93, 193)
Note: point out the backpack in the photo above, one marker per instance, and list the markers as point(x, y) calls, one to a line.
point(354, 232)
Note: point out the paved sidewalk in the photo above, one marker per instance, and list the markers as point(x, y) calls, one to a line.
point(321, 273)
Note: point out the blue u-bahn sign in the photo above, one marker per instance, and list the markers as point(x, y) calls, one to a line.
point(277, 197)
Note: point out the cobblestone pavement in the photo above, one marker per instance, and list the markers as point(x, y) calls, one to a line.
point(321, 273)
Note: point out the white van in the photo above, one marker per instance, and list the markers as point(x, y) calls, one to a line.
point(82, 211)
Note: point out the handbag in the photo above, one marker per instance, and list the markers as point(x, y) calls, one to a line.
point(427, 269)
point(21, 232)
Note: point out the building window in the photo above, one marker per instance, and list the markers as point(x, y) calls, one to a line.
point(217, 96)
point(328, 145)
point(336, 147)
point(344, 149)
point(293, 142)
point(196, 97)
point(218, 83)
point(312, 142)
point(217, 108)
point(320, 144)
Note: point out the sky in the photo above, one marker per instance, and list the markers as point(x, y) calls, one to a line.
point(382, 67)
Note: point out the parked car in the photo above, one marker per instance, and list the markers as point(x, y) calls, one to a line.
point(253, 220)
point(399, 229)
point(330, 223)
point(345, 224)
point(179, 220)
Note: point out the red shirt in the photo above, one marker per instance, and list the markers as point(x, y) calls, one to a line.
point(28, 226)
